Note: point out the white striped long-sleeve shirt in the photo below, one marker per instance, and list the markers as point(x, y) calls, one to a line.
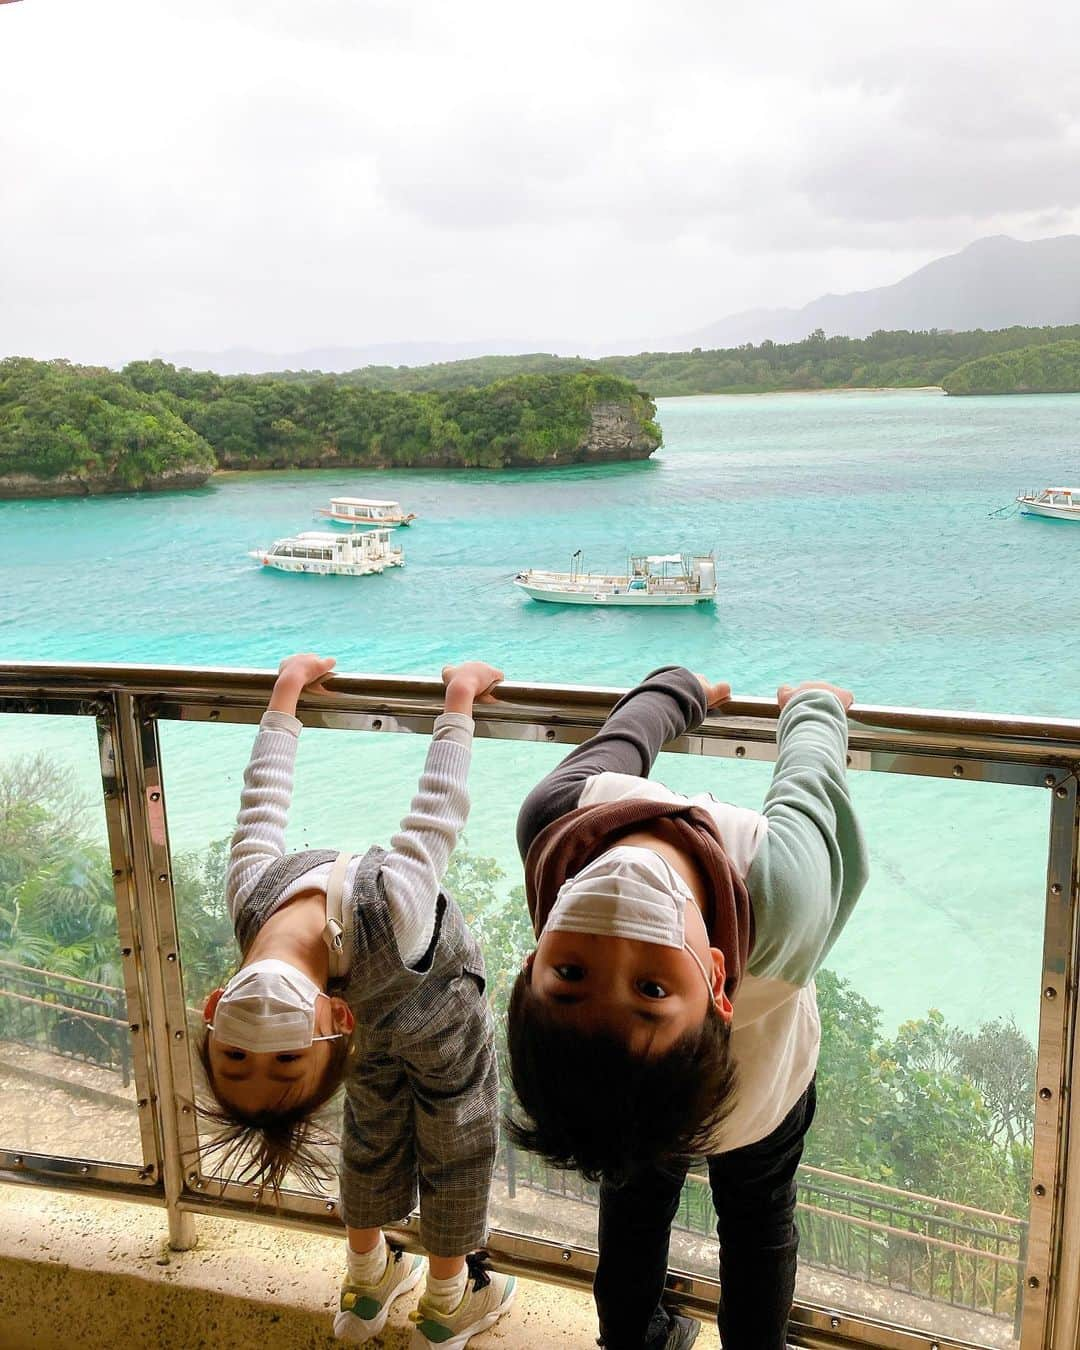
point(412, 870)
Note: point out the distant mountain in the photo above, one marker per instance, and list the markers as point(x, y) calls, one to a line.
point(993, 283)
point(248, 361)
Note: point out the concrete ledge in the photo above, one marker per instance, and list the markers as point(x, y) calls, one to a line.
point(96, 1274)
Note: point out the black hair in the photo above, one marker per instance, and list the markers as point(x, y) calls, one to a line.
point(260, 1148)
point(594, 1106)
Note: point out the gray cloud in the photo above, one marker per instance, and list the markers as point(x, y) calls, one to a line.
point(948, 135)
point(298, 174)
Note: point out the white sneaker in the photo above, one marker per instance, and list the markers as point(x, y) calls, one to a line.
point(365, 1307)
point(487, 1296)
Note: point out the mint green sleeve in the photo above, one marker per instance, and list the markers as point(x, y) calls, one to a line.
point(811, 866)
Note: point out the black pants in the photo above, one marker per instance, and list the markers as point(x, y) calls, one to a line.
point(753, 1190)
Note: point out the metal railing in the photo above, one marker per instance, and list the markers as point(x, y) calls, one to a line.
point(933, 1249)
point(129, 704)
point(70, 1016)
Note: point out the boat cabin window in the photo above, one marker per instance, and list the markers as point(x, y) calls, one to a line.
point(362, 511)
point(303, 551)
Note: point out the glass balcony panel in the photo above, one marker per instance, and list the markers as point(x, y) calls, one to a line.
point(66, 1074)
point(913, 1196)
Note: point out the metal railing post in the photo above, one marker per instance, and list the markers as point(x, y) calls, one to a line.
point(1056, 1030)
point(1018, 1315)
point(146, 813)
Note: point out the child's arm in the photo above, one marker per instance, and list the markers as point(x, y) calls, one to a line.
point(667, 703)
point(268, 779)
point(812, 864)
point(413, 869)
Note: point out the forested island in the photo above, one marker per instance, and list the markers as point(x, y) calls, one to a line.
point(1053, 368)
point(885, 360)
point(74, 430)
point(77, 430)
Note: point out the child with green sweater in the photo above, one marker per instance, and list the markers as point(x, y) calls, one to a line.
point(669, 1008)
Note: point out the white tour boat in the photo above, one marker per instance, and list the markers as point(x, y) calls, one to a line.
point(661, 580)
point(326, 554)
point(365, 511)
point(1061, 503)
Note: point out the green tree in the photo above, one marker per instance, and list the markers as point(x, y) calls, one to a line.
point(1045, 368)
point(57, 419)
point(208, 943)
point(500, 924)
point(57, 903)
point(1001, 1062)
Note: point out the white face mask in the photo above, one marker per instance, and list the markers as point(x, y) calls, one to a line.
point(627, 892)
point(268, 1006)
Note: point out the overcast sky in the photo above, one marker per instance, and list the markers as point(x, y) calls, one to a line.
point(212, 173)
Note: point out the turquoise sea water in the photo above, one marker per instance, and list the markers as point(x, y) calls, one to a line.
point(854, 543)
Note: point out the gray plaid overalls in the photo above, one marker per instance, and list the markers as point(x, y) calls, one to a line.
point(421, 1105)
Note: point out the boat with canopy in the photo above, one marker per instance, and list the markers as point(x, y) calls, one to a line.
point(651, 580)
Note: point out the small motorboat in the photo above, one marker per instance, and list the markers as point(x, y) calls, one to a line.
point(365, 512)
point(325, 554)
point(1060, 503)
point(651, 580)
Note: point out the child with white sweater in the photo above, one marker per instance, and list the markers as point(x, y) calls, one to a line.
point(367, 948)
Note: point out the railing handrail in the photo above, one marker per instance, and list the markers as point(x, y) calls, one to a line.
point(59, 975)
point(911, 1195)
point(872, 1225)
point(699, 1180)
point(843, 1217)
point(516, 701)
point(63, 1007)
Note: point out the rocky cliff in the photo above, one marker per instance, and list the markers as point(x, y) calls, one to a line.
point(14, 486)
point(616, 433)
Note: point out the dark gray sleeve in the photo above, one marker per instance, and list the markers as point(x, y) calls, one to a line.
point(667, 703)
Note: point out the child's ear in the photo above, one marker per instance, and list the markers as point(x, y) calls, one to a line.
point(721, 1002)
point(344, 1020)
point(210, 1006)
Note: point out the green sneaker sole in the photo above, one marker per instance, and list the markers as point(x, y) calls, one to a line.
point(436, 1333)
point(365, 1317)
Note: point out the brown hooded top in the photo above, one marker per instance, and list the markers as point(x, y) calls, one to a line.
point(580, 836)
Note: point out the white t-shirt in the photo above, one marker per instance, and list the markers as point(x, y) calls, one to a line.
point(775, 1029)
